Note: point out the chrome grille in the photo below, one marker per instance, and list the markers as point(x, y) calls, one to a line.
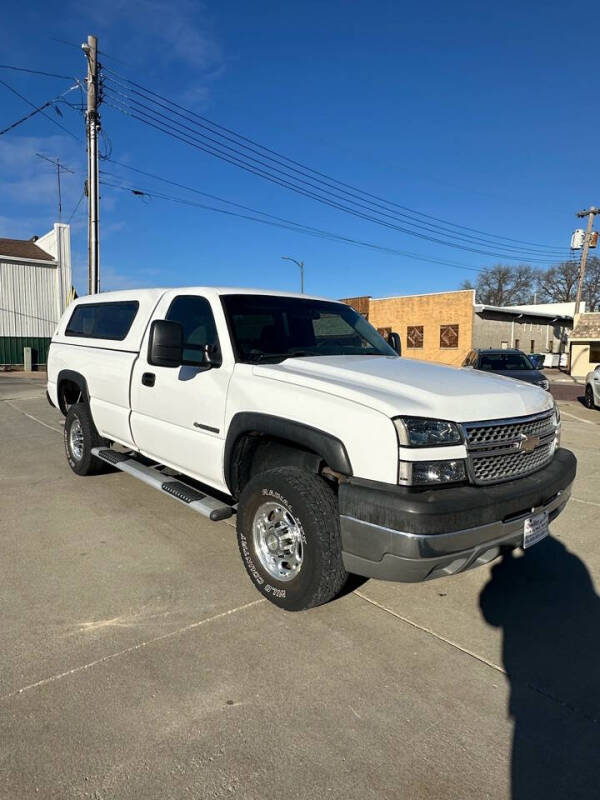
point(495, 448)
point(499, 432)
point(493, 469)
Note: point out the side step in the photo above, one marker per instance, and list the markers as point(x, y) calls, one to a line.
point(204, 504)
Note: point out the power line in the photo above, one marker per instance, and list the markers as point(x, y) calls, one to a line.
point(239, 141)
point(175, 129)
point(316, 172)
point(36, 72)
point(286, 224)
point(336, 196)
point(168, 129)
point(39, 110)
point(77, 206)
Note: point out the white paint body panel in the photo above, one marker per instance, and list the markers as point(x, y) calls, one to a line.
point(353, 398)
point(163, 416)
point(593, 379)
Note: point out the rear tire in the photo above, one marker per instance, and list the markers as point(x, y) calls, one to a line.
point(80, 436)
point(589, 397)
point(289, 538)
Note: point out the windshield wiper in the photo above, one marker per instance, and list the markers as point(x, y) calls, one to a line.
point(294, 354)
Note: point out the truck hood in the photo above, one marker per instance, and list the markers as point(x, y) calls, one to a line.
point(397, 386)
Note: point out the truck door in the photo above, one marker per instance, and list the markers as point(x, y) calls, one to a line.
point(178, 414)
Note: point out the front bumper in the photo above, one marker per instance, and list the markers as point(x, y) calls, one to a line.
point(402, 534)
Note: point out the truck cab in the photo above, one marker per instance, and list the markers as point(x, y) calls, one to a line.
point(337, 455)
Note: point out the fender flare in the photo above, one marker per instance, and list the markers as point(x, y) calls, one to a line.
point(328, 447)
point(74, 377)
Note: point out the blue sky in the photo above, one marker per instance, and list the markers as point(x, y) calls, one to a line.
point(477, 114)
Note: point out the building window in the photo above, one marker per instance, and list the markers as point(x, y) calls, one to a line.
point(504, 344)
point(385, 332)
point(448, 336)
point(517, 344)
point(532, 346)
point(595, 353)
point(414, 336)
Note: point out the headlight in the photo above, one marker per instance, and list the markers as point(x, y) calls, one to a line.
point(545, 384)
point(423, 432)
point(419, 473)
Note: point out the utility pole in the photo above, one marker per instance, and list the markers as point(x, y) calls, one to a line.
point(299, 264)
point(56, 163)
point(92, 124)
point(590, 213)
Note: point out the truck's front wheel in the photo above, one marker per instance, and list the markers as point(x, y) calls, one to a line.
point(289, 537)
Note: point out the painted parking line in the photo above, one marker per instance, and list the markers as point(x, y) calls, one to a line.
point(132, 649)
point(579, 419)
point(35, 419)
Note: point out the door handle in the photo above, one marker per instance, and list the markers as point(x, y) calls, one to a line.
point(148, 378)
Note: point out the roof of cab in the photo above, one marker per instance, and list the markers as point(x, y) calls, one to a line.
point(209, 291)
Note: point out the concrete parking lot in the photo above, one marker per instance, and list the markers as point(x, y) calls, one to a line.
point(138, 661)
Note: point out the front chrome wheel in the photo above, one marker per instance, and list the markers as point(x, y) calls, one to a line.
point(278, 541)
point(76, 442)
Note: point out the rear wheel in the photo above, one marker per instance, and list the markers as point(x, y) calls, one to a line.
point(589, 397)
point(80, 436)
point(289, 538)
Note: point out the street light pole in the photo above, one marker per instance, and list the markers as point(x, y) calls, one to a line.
point(299, 264)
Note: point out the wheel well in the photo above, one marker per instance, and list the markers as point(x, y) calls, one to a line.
point(71, 387)
point(297, 444)
point(255, 452)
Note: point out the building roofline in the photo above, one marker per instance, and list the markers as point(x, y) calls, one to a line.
point(517, 312)
point(422, 294)
point(47, 262)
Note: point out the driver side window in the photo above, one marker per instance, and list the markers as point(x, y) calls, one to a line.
point(199, 329)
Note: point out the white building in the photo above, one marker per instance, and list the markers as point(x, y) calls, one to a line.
point(35, 287)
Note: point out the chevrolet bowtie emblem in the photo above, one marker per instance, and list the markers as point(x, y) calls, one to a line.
point(528, 444)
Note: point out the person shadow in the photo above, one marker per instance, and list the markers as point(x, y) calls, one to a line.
point(548, 610)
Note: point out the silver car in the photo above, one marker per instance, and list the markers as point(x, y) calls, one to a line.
point(592, 388)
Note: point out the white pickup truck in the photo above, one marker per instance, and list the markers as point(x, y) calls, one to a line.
point(337, 455)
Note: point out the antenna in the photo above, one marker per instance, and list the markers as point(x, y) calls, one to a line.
point(56, 163)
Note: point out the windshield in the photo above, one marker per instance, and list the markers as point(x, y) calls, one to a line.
point(270, 328)
point(504, 361)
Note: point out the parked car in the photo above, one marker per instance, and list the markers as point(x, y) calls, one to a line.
point(592, 388)
point(510, 363)
point(338, 455)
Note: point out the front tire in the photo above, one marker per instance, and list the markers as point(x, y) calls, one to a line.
point(80, 436)
point(589, 397)
point(289, 538)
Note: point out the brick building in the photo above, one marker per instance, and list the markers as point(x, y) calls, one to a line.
point(444, 326)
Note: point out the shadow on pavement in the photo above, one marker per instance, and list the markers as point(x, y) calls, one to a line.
point(549, 612)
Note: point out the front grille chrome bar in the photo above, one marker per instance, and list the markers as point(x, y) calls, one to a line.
point(504, 449)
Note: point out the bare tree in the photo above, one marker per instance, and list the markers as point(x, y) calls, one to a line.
point(559, 283)
point(503, 285)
